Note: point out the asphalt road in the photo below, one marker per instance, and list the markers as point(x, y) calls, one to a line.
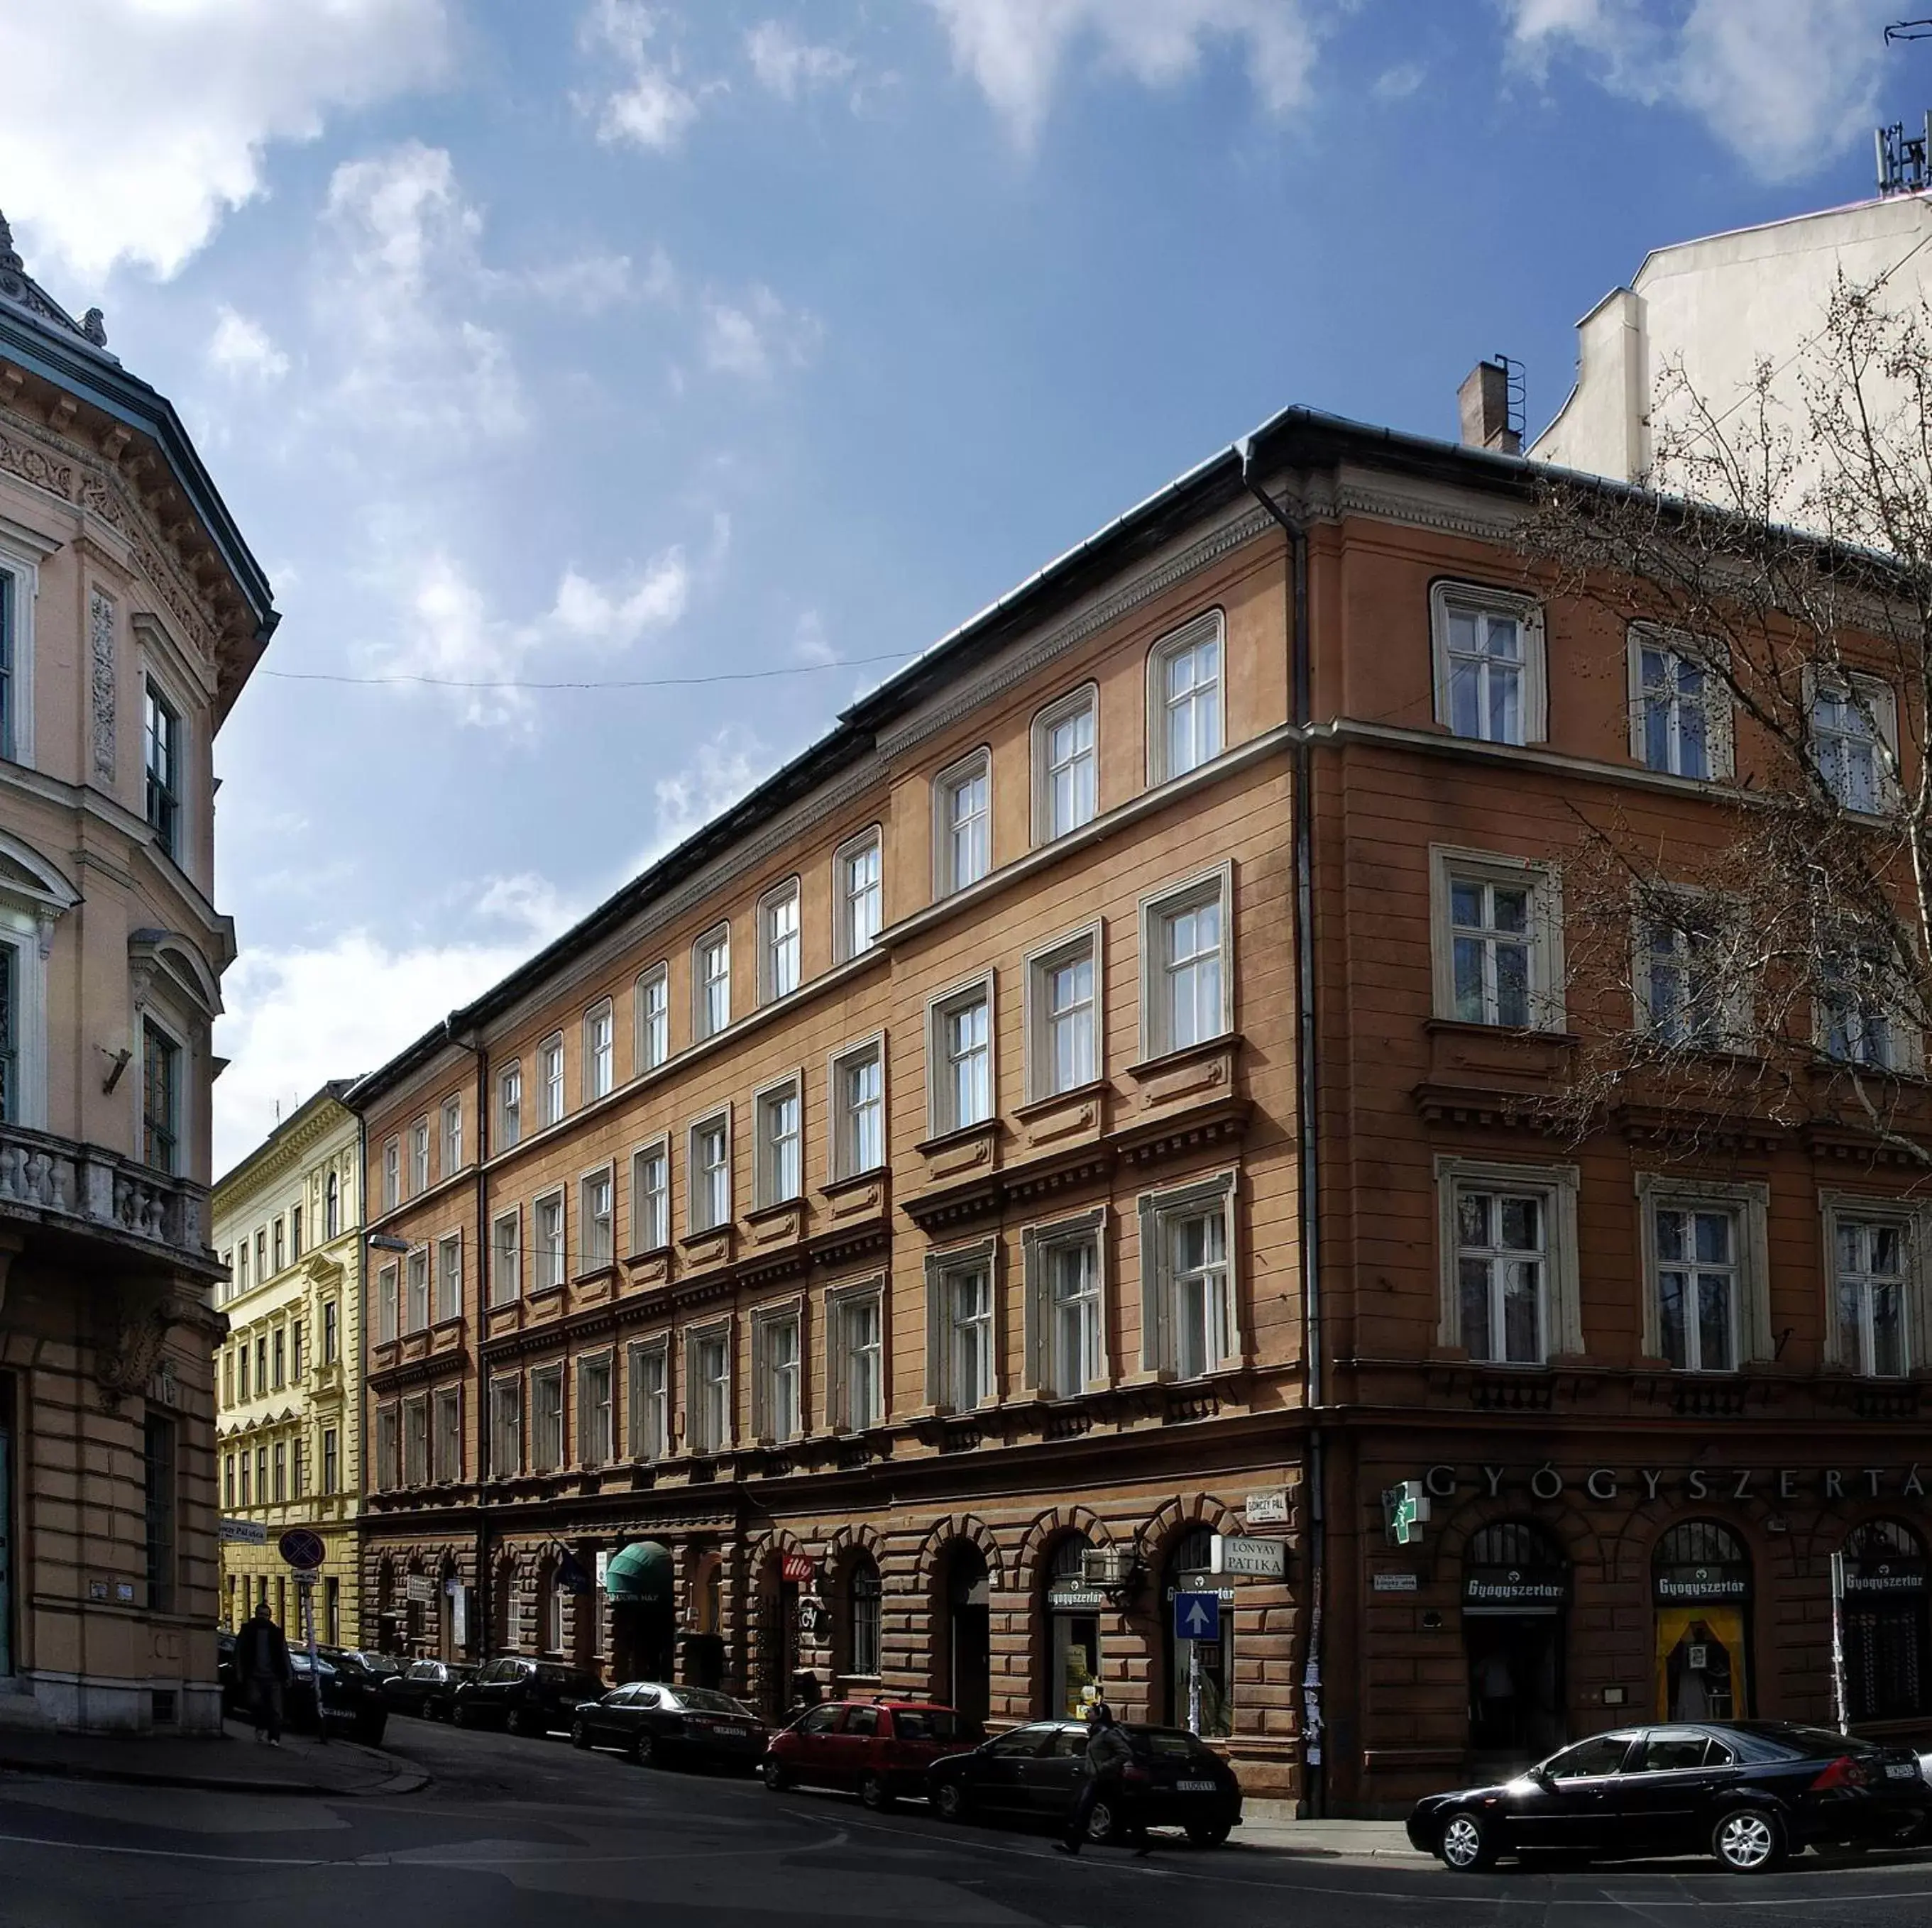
point(515, 1831)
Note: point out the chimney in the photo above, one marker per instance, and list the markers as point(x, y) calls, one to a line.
point(1484, 400)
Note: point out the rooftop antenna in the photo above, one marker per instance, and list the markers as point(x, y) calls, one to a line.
point(1516, 382)
point(1903, 163)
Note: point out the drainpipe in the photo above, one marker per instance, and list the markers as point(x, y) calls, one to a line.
point(1302, 808)
point(473, 1046)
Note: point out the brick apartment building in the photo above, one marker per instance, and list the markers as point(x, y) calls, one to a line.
point(1048, 1119)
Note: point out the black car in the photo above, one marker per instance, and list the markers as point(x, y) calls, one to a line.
point(350, 1700)
point(654, 1722)
point(426, 1687)
point(1174, 1780)
point(523, 1696)
point(1748, 1792)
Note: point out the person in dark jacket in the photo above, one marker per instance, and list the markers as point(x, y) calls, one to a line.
point(262, 1666)
point(1108, 1753)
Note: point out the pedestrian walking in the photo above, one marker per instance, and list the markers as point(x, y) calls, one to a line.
point(1108, 1754)
point(262, 1665)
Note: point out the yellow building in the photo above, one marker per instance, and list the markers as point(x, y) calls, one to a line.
point(288, 1377)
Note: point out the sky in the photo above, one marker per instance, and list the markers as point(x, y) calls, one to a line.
point(630, 343)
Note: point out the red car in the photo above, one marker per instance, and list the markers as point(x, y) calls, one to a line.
point(883, 1748)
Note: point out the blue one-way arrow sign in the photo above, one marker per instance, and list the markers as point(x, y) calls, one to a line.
point(1197, 1616)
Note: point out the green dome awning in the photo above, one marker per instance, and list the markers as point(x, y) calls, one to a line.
point(641, 1572)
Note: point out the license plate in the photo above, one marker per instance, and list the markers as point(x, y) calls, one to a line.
point(1196, 1787)
point(729, 1733)
point(1901, 1770)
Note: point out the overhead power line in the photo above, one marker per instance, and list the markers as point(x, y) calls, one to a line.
point(406, 677)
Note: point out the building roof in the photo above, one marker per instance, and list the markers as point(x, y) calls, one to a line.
point(335, 1091)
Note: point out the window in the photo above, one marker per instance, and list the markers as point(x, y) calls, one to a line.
point(1680, 707)
point(781, 1163)
point(547, 1419)
point(860, 910)
point(12, 595)
point(297, 1470)
point(160, 1483)
point(448, 1466)
point(863, 1602)
point(1696, 1259)
point(711, 978)
point(506, 1428)
point(653, 1018)
point(778, 943)
point(247, 1483)
point(1489, 664)
point(1186, 978)
point(160, 1099)
point(1186, 723)
point(331, 1209)
point(596, 1444)
point(1066, 764)
point(600, 1052)
point(1189, 1311)
point(415, 1310)
point(415, 1442)
point(857, 1377)
point(775, 1364)
point(711, 1173)
point(709, 1381)
point(1859, 1020)
point(506, 1238)
point(261, 1255)
point(418, 1158)
point(449, 1277)
point(241, 1268)
point(959, 1051)
point(595, 1218)
point(261, 1363)
point(859, 1111)
point(386, 1325)
point(281, 1246)
point(510, 1105)
point(331, 1332)
point(650, 1197)
point(650, 1401)
point(10, 1033)
point(228, 1481)
point(332, 1460)
point(550, 1082)
point(1872, 1264)
point(228, 1378)
point(962, 808)
point(388, 1458)
point(1508, 1240)
point(962, 1367)
point(1496, 941)
point(296, 1351)
point(162, 761)
point(1855, 741)
point(281, 1357)
point(392, 1175)
point(547, 1217)
point(295, 1232)
point(450, 1140)
point(242, 1363)
point(1063, 1051)
point(1685, 998)
point(1066, 1330)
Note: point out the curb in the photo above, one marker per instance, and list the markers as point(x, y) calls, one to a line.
point(401, 1780)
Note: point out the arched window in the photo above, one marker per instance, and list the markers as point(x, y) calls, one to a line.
point(1512, 1542)
point(1700, 1542)
point(1701, 1586)
point(332, 1214)
point(1516, 1587)
point(1884, 1623)
point(1206, 1664)
point(862, 1606)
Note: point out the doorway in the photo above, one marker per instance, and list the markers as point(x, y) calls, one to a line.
point(1701, 1589)
point(1886, 1675)
point(1073, 1631)
point(1516, 1597)
point(969, 1637)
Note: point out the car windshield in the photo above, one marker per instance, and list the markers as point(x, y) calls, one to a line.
point(1169, 1743)
point(927, 1723)
point(708, 1700)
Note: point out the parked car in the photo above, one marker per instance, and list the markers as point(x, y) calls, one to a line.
point(523, 1696)
point(1174, 1779)
point(883, 1748)
point(1747, 1792)
point(655, 1723)
point(426, 1688)
point(343, 1696)
point(378, 1666)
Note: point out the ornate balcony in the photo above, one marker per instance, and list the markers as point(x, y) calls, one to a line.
point(88, 1191)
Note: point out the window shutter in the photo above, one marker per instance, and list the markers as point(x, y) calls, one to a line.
point(1154, 1296)
point(936, 1390)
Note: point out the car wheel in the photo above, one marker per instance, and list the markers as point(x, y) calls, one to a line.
point(776, 1779)
point(459, 1715)
point(1466, 1845)
point(1747, 1840)
point(950, 1801)
point(874, 1793)
point(1208, 1833)
point(644, 1750)
point(580, 1735)
point(1104, 1823)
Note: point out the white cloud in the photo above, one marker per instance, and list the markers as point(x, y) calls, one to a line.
point(132, 127)
point(809, 642)
point(787, 66)
point(590, 612)
point(243, 350)
point(591, 284)
point(1397, 83)
point(650, 107)
point(725, 766)
point(1015, 48)
point(758, 334)
point(1785, 84)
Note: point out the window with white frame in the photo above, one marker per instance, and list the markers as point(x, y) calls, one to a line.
point(596, 1220)
point(777, 1365)
point(961, 1364)
point(1497, 940)
point(1708, 1306)
point(506, 1428)
point(708, 1388)
point(550, 1081)
point(165, 767)
point(448, 1466)
point(1685, 997)
point(959, 1055)
point(1187, 974)
point(510, 1106)
point(1489, 664)
point(859, 912)
point(711, 981)
point(596, 1441)
point(415, 1269)
point(418, 1158)
point(859, 1110)
point(1189, 1312)
point(449, 1277)
point(780, 1175)
point(1066, 1321)
point(1873, 1265)
point(1066, 764)
point(387, 1282)
point(547, 1229)
point(1855, 741)
point(600, 1052)
point(1680, 706)
point(653, 1017)
point(855, 1342)
point(1858, 1023)
point(392, 1175)
point(452, 1136)
point(1187, 698)
point(506, 1256)
point(416, 1444)
point(650, 1197)
point(650, 1399)
point(389, 1453)
point(1508, 1242)
point(710, 1166)
point(962, 803)
point(547, 1419)
point(779, 967)
point(1062, 1015)
point(19, 585)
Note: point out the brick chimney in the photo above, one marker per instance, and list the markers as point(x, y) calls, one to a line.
point(1483, 400)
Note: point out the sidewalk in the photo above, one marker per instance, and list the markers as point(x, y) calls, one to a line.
point(1272, 1825)
point(233, 1762)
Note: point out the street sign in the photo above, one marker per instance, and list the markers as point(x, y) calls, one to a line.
point(301, 1547)
point(1404, 1509)
point(1392, 1583)
point(243, 1532)
point(1266, 1509)
point(1197, 1617)
point(1256, 1559)
point(420, 1588)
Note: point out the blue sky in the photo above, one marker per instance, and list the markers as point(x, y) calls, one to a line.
point(598, 340)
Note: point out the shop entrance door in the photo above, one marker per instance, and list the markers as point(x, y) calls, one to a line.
point(1701, 1589)
point(969, 1633)
point(1076, 1663)
point(1516, 1597)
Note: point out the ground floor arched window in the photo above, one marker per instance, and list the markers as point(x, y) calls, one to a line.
point(1884, 1623)
point(1205, 1666)
point(1701, 1589)
point(863, 1617)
